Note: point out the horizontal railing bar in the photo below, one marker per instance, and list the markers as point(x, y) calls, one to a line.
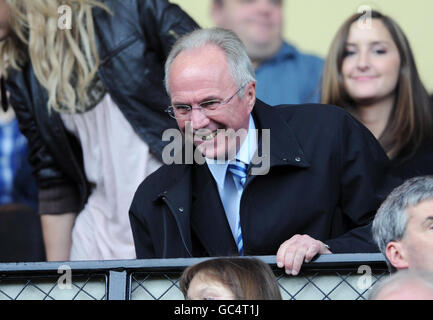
point(322, 261)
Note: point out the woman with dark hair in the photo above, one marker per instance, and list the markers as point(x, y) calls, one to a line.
point(370, 71)
point(230, 279)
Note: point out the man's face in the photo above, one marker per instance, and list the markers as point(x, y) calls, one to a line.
point(258, 23)
point(417, 243)
point(200, 75)
point(4, 20)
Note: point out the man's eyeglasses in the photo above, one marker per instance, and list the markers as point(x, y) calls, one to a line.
point(210, 107)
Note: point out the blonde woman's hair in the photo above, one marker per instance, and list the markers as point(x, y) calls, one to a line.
point(64, 61)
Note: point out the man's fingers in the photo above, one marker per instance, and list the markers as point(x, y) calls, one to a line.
point(312, 251)
point(288, 259)
point(298, 259)
point(281, 253)
point(297, 250)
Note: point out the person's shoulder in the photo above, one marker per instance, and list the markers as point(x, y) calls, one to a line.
point(303, 55)
point(167, 174)
point(118, 10)
point(313, 111)
point(317, 118)
point(309, 116)
point(123, 3)
point(162, 179)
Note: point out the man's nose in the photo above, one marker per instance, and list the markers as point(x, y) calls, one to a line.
point(198, 118)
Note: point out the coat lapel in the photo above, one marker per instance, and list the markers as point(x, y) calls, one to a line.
point(178, 199)
point(208, 218)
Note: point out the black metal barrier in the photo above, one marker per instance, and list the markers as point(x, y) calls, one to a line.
point(329, 277)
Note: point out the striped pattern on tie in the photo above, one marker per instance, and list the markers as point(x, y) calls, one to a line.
point(239, 171)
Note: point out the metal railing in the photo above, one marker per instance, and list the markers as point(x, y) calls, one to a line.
point(329, 277)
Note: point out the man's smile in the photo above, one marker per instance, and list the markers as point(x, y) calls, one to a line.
point(209, 136)
point(205, 135)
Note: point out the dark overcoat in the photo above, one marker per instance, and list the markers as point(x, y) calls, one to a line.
point(327, 177)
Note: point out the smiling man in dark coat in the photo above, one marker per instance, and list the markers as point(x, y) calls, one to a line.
point(307, 179)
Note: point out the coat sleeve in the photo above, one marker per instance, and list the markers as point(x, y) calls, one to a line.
point(57, 194)
point(164, 23)
point(364, 185)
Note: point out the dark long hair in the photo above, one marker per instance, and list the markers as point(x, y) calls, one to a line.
point(410, 121)
point(247, 278)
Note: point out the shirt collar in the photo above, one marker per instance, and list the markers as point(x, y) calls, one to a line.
point(245, 154)
point(249, 146)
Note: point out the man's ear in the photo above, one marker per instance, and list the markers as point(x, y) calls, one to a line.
point(396, 255)
point(250, 93)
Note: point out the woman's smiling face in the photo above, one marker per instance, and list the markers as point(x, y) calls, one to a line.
point(371, 65)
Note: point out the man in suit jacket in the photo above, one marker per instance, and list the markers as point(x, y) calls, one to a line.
point(313, 173)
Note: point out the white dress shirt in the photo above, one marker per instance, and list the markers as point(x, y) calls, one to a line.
point(229, 189)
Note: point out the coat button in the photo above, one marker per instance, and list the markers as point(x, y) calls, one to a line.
point(298, 159)
point(181, 209)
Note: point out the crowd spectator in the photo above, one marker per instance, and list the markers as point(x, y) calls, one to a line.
point(231, 278)
point(402, 227)
point(90, 101)
point(284, 74)
point(17, 184)
point(371, 72)
point(20, 227)
point(404, 285)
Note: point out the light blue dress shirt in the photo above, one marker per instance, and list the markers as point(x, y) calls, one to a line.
point(290, 77)
point(229, 189)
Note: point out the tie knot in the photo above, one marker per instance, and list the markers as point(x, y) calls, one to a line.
point(239, 170)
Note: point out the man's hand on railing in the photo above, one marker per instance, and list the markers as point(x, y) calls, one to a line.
point(299, 248)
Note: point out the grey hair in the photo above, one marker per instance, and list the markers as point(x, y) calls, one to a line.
point(239, 63)
point(391, 219)
point(423, 278)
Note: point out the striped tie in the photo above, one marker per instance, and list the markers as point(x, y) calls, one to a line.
point(239, 171)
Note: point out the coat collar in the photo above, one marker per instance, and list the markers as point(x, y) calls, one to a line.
point(284, 148)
